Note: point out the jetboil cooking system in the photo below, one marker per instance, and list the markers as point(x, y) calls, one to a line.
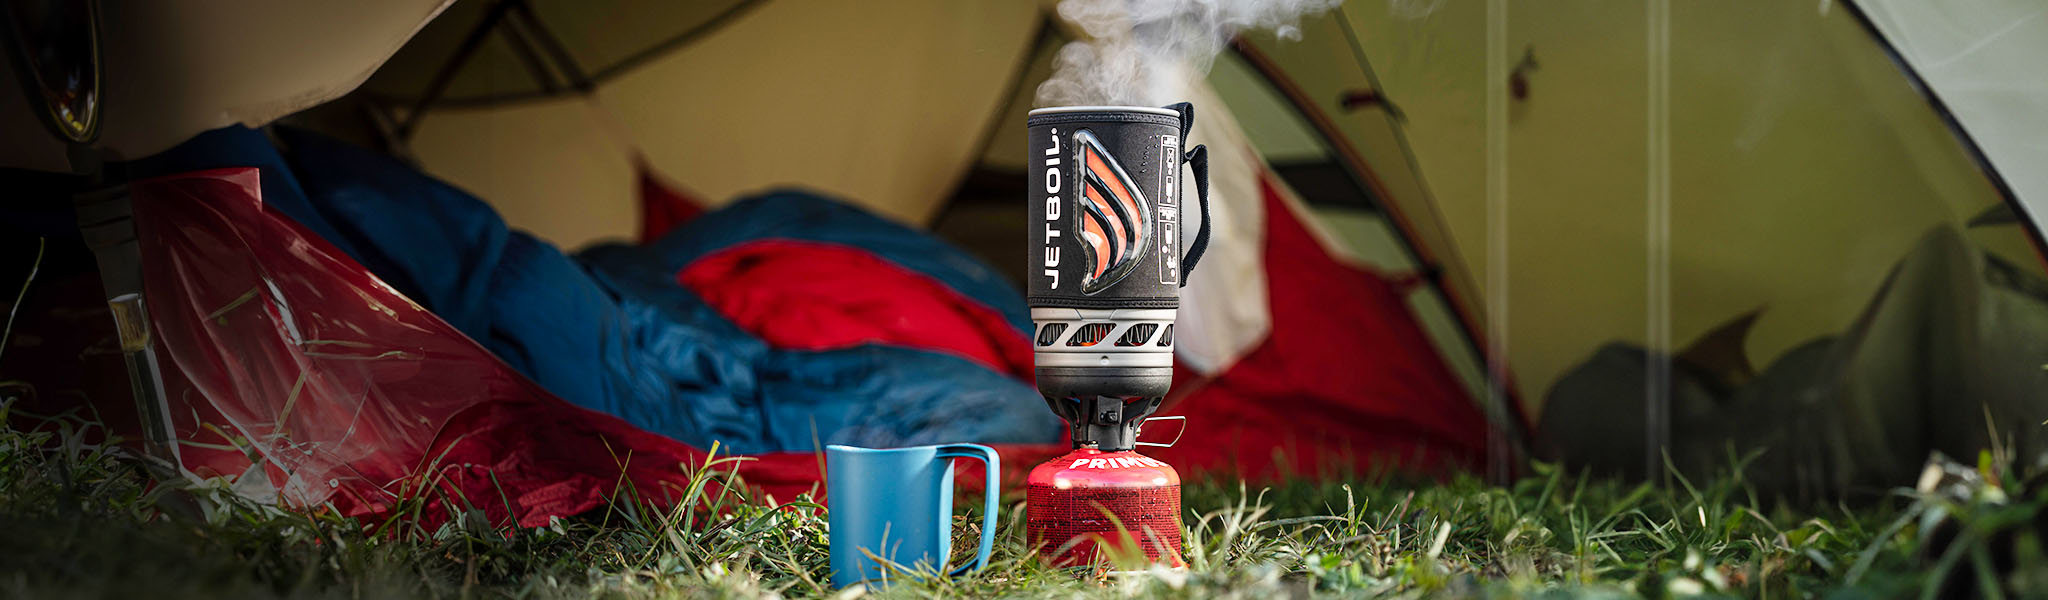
point(1105, 278)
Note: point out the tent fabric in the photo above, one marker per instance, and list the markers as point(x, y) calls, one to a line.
point(1945, 351)
point(879, 104)
point(1304, 347)
point(174, 70)
point(1779, 196)
point(1337, 384)
point(1982, 60)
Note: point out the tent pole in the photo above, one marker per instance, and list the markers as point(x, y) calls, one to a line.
point(523, 46)
point(540, 36)
point(446, 76)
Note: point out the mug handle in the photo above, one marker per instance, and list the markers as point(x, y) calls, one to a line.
point(990, 496)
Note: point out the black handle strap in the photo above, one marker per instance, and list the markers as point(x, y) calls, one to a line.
point(1197, 159)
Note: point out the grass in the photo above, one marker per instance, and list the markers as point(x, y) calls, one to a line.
point(84, 521)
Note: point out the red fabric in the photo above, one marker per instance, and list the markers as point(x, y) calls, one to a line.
point(662, 206)
point(817, 296)
point(1347, 376)
point(354, 395)
point(552, 459)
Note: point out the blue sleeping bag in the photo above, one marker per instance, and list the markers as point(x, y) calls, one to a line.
point(612, 330)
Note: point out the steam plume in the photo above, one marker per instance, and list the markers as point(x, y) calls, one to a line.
point(1143, 51)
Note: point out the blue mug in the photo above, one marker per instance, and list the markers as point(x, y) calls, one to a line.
point(897, 504)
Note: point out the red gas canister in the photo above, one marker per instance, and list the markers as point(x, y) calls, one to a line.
point(1074, 495)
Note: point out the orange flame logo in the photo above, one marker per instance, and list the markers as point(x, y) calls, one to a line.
point(1114, 221)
